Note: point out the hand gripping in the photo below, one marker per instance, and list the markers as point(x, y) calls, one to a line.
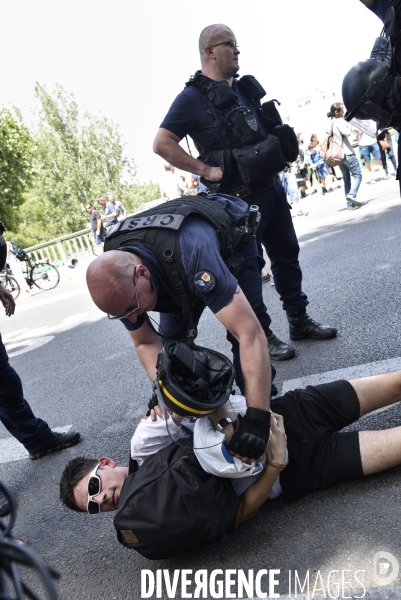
point(251, 434)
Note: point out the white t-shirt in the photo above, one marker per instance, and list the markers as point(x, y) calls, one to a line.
point(151, 436)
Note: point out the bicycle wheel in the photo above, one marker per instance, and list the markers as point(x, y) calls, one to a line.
point(44, 276)
point(12, 286)
point(97, 249)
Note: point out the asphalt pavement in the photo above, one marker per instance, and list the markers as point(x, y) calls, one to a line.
point(80, 370)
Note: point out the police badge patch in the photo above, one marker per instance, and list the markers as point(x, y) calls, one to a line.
point(204, 281)
point(251, 122)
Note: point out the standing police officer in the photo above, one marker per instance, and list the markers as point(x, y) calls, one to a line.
point(15, 412)
point(242, 146)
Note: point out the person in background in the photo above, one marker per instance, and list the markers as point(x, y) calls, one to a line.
point(350, 163)
point(16, 269)
point(96, 224)
point(386, 150)
point(123, 211)
point(111, 212)
point(172, 186)
point(366, 135)
point(317, 162)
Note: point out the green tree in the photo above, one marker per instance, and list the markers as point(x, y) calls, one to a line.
point(15, 167)
point(77, 158)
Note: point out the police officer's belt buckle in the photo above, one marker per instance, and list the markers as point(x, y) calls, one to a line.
point(241, 192)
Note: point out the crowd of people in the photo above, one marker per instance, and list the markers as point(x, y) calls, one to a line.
point(113, 212)
point(310, 173)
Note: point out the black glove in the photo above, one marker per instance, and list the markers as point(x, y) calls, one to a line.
point(153, 402)
point(251, 434)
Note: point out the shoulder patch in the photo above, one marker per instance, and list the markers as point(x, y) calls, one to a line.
point(204, 281)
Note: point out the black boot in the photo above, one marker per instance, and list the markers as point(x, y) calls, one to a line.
point(278, 350)
point(302, 327)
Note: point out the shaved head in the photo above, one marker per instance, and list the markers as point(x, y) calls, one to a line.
point(211, 35)
point(110, 280)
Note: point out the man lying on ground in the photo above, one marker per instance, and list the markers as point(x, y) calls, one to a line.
point(319, 454)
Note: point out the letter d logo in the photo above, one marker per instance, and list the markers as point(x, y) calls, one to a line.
point(385, 568)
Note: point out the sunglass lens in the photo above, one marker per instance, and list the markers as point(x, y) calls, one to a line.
point(93, 508)
point(93, 486)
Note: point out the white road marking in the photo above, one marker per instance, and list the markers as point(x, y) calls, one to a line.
point(28, 305)
point(374, 368)
point(28, 345)
point(11, 450)
point(37, 337)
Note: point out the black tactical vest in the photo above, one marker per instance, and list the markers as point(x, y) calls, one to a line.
point(251, 141)
point(158, 230)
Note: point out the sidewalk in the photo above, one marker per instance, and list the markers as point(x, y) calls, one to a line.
point(313, 201)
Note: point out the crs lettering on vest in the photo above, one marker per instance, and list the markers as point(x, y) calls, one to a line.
point(167, 221)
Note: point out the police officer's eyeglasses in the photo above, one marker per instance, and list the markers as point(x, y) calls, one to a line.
point(94, 488)
point(231, 45)
point(130, 312)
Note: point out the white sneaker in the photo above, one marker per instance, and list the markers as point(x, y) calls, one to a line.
point(388, 176)
point(371, 181)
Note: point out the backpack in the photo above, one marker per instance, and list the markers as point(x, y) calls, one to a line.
point(20, 254)
point(331, 152)
point(171, 505)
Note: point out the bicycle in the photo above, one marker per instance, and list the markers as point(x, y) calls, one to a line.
point(97, 249)
point(23, 574)
point(9, 282)
point(41, 273)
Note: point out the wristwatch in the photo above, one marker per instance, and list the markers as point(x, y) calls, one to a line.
point(223, 423)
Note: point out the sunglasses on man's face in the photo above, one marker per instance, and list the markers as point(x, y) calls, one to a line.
point(94, 488)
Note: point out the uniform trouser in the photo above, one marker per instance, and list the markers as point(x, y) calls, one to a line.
point(276, 232)
point(172, 327)
point(15, 412)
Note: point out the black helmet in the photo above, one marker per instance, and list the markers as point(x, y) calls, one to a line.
point(364, 91)
point(193, 381)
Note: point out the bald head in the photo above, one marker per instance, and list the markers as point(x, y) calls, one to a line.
point(110, 280)
point(211, 35)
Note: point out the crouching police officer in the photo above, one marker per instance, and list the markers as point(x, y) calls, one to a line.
point(176, 259)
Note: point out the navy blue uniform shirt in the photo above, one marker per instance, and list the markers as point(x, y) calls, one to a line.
point(188, 116)
point(208, 276)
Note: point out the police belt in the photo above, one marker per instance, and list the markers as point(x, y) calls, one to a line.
point(243, 191)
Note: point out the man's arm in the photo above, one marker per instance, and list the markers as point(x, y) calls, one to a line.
point(7, 301)
point(240, 320)
point(167, 146)
point(253, 498)
point(111, 215)
point(148, 345)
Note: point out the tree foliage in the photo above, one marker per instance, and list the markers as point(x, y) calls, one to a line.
point(78, 157)
point(15, 167)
